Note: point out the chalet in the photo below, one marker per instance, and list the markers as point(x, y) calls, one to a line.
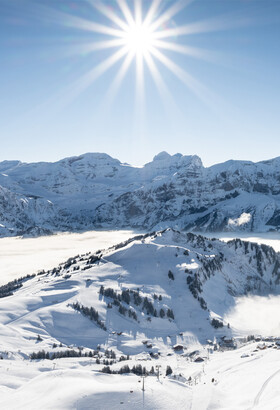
point(198, 359)
point(228, 342)
point(178, 348)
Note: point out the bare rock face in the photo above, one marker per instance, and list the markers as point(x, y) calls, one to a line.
point(95, 190)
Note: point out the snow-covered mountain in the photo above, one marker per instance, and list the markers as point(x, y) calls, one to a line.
point(149, 304)
point(95, 190)
point(165, 286)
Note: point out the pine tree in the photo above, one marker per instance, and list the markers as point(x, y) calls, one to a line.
point(170, 275)
point(168, 371)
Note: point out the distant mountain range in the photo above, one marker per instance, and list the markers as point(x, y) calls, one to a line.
point(97, 191)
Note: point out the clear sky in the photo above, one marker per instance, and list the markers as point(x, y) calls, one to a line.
point(205, 79)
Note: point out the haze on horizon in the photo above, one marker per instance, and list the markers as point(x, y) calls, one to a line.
point(204, 80)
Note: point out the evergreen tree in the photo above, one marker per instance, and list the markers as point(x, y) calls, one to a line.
point(170, 314)
point(168, 371)
point(171, 275)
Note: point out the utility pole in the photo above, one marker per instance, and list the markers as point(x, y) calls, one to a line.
point(143, 383)
point(143, 389)
point(157, 369)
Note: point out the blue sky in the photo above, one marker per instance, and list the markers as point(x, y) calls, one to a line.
point(46, 115)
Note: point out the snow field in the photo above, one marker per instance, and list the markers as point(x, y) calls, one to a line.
point(244, 378)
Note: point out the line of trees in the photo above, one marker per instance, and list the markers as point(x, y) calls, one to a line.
point(130, 296)
point(89, 312)
point(42, 354)
point(138, 370)
point(7, 290)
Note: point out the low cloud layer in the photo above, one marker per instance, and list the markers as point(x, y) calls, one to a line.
point(256, 315)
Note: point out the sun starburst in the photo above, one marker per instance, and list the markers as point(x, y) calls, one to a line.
point(143, 37)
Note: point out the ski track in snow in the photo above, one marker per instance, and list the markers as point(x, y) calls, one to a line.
point(268, 380)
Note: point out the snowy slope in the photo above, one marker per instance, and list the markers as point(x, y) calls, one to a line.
point(195, 277)
point(246, 378)
point(20, 214)
point(95, 190)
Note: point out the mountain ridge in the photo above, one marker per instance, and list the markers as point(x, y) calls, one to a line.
point(94, 190)
point(150, 286)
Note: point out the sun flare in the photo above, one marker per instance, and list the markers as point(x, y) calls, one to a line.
point(142, 36)
point(139, 39)
point(144, 33)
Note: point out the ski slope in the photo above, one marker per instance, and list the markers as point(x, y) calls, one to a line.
point(245, 377)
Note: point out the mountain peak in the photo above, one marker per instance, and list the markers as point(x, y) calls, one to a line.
point(165, 160)
point(161, 156)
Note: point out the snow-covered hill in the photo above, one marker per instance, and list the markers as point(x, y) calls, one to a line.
point(166, 286)
point(95, 190)
point(158, 298)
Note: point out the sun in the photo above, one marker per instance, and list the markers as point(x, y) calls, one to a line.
point(147, 36)
point(139, 39)
point(143, 36)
